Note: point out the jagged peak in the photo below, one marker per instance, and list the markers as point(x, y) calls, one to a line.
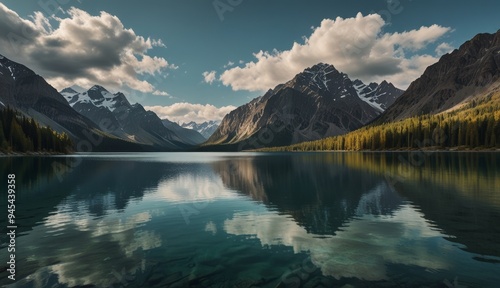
point(480, 41)
point(117, 94)
point(320, 67)
point(98, 88)
point(384, 83)
point(68, 90)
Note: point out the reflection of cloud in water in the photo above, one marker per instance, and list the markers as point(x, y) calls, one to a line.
point(192, 187)
point(124, 233)
point(85, 251)
point(115, 225)
point(361, 250)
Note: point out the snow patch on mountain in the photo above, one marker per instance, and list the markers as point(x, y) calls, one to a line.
point(379, 96)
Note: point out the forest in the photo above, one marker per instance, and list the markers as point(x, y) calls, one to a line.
point(22, 134)
point(475, 125)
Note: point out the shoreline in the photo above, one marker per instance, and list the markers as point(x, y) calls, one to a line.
point(424, 150)
point(431, 149)
point(16, 154)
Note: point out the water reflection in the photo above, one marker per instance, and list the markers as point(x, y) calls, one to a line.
point(361, 250)
point(191, 187)
point(321, 195)
point(358, 217)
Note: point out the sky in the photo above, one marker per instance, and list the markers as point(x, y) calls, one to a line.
point(199, 59)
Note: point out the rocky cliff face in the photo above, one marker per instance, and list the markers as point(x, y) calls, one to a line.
point(454, 79)
point(317, 103)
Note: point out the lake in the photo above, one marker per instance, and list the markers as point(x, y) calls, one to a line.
point(255, 220)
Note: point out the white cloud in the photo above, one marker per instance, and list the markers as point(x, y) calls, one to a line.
point(209, 77)
point(187, 112)
point(444, 48)
point(82, 49)
point(355, 46)
point(160, 93)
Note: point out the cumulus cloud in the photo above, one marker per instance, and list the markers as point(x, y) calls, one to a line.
point(187, 112)
point(81, 49)
point(356, 46)
point(209, 77)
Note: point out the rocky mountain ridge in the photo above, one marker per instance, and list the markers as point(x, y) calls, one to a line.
point(455, 79)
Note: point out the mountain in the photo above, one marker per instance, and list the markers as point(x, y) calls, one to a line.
point(189, 135)
point(457, 78)
point(379, 96)
point(317, 103)
point(29, 94)
point(114, 114)
point(206, 128)
point(23, 90)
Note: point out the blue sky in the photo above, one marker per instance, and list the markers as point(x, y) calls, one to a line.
point(191, 43)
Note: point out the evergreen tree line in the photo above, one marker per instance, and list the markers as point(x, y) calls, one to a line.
point(23, 134)
point(477, 125)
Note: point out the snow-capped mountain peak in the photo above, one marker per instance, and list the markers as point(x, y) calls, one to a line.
point(319, 76)
point(96, 95)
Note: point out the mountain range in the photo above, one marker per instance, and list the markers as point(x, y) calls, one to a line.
point(318, 102)
point(455, 104)
point(206, 129)
point(114, 114)
point(28, 93)
point(95, 119)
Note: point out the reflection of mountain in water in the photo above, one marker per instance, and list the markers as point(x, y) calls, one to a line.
point(457, 192)
point(319, 192)
point(466, 220)
point(95, 186)
point(77, 225)
point(37, 189)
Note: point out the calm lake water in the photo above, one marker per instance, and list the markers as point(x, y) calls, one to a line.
point(255, 220)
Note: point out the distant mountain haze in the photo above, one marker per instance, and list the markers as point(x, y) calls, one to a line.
point(206, 129)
